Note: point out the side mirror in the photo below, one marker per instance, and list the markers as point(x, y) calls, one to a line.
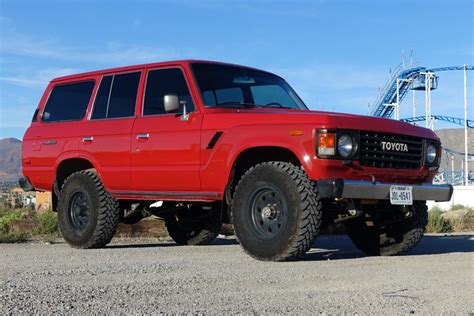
point(171, 103)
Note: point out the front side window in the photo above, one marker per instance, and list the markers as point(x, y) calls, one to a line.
point(68, 102)
point(161, 82)
point(233, 86)
point(116, 96)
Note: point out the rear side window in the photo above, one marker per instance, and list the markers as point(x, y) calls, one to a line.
point(116, 96)
point(102, 98)
point(162, 82)
point(68, 102)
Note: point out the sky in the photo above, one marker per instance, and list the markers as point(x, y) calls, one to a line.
point(335, 54)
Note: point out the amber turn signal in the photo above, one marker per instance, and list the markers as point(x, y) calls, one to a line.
point(326, 144)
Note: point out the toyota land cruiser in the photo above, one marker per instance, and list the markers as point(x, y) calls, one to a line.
point(200, 143)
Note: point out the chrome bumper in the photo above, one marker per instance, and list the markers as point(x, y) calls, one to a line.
point(350, 189)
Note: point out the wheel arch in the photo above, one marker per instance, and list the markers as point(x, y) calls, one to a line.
point(251, 156)
point(68, 166)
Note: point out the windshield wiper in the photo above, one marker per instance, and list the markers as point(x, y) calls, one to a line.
point(237, 105)
point(250, 105)
point(276, 106)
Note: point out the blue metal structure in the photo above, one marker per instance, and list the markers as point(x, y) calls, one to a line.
point(388, 95)
point(383, 105)
point(454, 120)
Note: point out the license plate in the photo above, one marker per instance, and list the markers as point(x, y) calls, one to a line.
point(401, 195)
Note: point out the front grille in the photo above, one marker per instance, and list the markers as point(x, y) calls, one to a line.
point(372, 154)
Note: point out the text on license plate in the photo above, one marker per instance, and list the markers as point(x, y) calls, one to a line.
point(401, 195)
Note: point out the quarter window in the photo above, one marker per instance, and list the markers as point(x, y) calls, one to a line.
point(116, 96)
point(68, 102)
point(162, 82)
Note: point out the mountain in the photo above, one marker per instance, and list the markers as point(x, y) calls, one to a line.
point(10, 159)
point(452, 138)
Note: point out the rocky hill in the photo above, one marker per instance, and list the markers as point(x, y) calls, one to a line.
point(452, 138)
point(10, 159)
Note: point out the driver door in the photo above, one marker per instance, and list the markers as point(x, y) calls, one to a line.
point(165, 149)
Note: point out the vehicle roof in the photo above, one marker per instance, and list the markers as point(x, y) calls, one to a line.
point(140, 66)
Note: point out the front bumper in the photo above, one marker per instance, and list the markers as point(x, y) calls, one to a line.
point(350, 189)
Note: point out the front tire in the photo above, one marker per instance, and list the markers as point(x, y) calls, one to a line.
point(393, 239)
point(87, 214)
point(276, 211)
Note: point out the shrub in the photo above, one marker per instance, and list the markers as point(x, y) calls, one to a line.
point(47, 223)
point(456, 207)
point(8, 216)
point(465, 222)
point(12, 237)
point(435, 209)
point(437, 224)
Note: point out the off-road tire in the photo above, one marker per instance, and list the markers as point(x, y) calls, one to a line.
point(195, 234)
point(302, 207)
point(104, 211)
point(391, 240)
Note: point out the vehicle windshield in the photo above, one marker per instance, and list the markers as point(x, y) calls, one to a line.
point(233, 86)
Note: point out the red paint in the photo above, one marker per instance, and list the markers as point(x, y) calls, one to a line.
point(174, 158)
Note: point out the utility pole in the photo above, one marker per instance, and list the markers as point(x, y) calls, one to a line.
point(466, 164)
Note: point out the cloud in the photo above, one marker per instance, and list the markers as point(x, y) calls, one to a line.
point(21, 81)
point(295, 9)
point(336, 77)
point(37, 78)
point(112, 53)
point(17, 44)
point(5, 20)
point(17, 116)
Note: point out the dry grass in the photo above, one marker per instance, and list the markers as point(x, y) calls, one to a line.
point(46, 227)
point(458, 219)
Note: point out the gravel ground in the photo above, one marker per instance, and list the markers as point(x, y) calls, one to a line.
point(143, 276)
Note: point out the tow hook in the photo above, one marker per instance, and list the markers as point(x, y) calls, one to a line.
point(407, 211)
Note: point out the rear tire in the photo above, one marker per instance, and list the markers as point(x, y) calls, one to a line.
point(87, 214)
point(390, 240)
point(276, 211)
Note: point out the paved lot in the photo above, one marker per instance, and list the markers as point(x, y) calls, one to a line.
point(152, 277)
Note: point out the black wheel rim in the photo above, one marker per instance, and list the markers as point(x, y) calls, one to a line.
point(79, 210)
point(268, 211)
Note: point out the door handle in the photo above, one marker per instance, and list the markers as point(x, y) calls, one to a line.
point(50, 142)
point(143, 136)
point(88, 139)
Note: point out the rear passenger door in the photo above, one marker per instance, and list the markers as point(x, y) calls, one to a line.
point(106, 135)
point(165, 149)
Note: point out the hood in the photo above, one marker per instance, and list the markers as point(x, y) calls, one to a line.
point(329, 120)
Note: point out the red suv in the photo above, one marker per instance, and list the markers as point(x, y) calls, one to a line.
point(201, 143)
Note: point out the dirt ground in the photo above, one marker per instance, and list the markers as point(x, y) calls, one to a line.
point(147, 276)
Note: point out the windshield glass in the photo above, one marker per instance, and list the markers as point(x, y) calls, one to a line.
point(233, 86)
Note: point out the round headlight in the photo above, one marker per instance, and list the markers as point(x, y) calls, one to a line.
point(345, 145)
point(430, 154)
